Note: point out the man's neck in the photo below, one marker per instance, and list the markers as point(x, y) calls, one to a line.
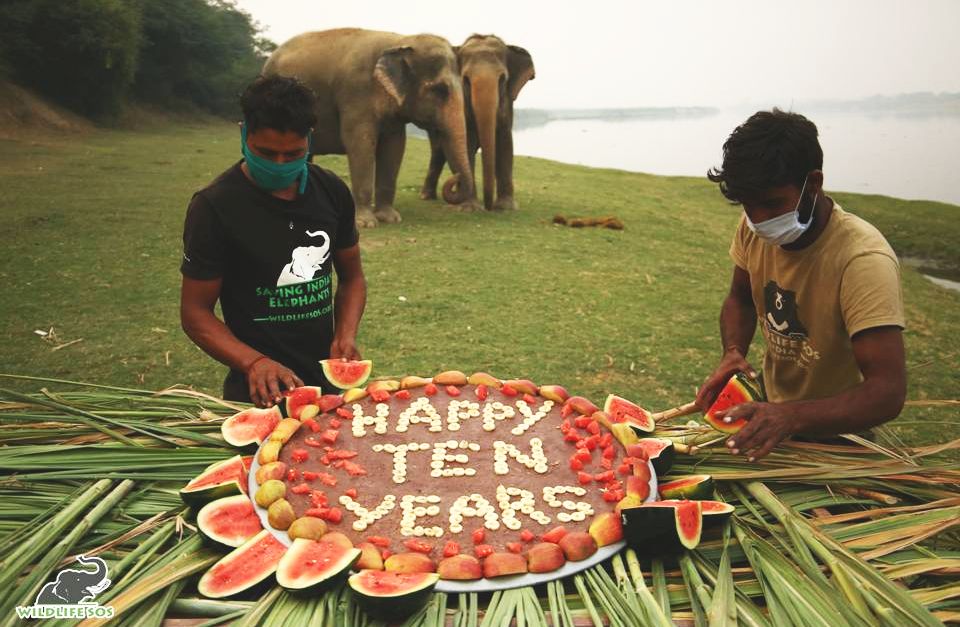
point(287, 193)
point(821, 216)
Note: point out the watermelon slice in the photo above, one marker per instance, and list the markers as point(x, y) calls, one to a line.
point(229, 522)
point(659, 451)
point(346, 374)
point(250, 426)
point(389, 594)
point(310, 565)
point(218, 480)
point(691, 487)
point(621, 410)
point(661, 525)
point(243, 568)
point(738, 389)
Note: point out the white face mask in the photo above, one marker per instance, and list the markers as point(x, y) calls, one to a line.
point(783, 229)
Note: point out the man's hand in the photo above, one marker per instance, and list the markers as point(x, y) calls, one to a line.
point(768, 425)
point(732, 362)
point(344, 348)
point(265, 376)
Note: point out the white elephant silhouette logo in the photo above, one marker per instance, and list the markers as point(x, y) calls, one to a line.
point(306, 261)
point(73, 586)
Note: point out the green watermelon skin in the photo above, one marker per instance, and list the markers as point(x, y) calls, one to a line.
point(695, 487)
point(735, 392)
point(391, 594)
point(346, 374)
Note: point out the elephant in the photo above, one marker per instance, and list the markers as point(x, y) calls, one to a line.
point(493, 73)
point(369, 85)
point(75, 586)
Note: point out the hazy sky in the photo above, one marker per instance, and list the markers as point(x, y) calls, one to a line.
point(600, 53)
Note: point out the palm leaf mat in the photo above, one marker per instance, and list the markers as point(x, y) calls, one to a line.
point(861, 534)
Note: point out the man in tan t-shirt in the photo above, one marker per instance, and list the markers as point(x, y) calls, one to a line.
point(824, 284)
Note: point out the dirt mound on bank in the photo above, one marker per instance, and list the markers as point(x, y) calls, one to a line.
point(23, 111)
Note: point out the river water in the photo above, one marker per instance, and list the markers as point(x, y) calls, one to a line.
point(907, 156)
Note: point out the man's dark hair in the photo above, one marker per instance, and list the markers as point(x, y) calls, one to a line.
point(771, 149)
point(281, 103)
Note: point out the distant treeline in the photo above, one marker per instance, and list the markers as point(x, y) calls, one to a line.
point(94, 56)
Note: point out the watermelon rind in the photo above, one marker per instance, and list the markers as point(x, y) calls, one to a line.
point(228, 522)
point(346, 374)
point(336, 563)
point(716, 508)
point(693, 487)
point(244, 568)
point(196, 494)
point(655, 528)
point(661, 453)
point(250, 426)
point(742, 391)
point(384, 594)
point(622, 410)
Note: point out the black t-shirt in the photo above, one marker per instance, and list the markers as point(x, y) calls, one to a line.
point(275, 257)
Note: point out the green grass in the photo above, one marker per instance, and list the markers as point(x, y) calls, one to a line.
point(92, 248)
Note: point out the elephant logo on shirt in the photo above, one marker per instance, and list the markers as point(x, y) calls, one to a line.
point(781, 312)
point(306, 261)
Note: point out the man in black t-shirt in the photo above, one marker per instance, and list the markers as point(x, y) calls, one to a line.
point(262, 239)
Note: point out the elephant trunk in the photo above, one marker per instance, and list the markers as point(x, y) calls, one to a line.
point(485, 100)
point(453, 138)
point(101, 568)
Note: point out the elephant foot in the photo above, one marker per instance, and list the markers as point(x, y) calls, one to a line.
point(505, 203)
point(469, 206)
point(366, 219)
point(428, 194)
point(388, 215)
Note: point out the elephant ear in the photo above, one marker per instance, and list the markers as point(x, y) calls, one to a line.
point(520, 67)
point(393, 73)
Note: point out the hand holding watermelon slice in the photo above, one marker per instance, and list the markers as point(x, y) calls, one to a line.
point(732, 363)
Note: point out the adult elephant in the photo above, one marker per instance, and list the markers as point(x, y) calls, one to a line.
point(369, 85)
point(493, 73)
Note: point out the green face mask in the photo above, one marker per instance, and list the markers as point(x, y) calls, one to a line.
point(271, 175)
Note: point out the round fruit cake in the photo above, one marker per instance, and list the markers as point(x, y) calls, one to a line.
point(466, 477)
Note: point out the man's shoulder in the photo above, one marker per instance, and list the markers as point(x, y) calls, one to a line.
point(327, 177)
point(854, 236)
point(223, 183)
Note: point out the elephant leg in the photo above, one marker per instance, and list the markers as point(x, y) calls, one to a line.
point(360, 141)
point(390, 147)
point(505, 200)
point(437, 161)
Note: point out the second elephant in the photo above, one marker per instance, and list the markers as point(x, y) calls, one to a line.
point(493, 73)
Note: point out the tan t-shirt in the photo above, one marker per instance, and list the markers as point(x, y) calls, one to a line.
point(810, 302)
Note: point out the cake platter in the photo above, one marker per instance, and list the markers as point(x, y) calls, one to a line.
point(477, 585)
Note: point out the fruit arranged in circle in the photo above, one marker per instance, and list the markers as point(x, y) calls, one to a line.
point(621, 410)
point(663, 524)
point(690, 487)
point(250, 426)
point(218, 480)
point(346, 374)
point(230, 521)
point(243, 568)
point(308, 566)
point(388, 594)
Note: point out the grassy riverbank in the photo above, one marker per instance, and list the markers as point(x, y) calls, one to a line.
point(93, 225)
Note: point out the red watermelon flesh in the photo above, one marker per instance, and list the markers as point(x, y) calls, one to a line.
point(230, 520)
point(689, 522)
point(346, 374)
point(243, 567)
point(734, 393)
point(310, 562)
point(250, 426)
point(217, 474)
point(621, 410)
point(385, 583)
point(301, 397)
point(709, 508)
